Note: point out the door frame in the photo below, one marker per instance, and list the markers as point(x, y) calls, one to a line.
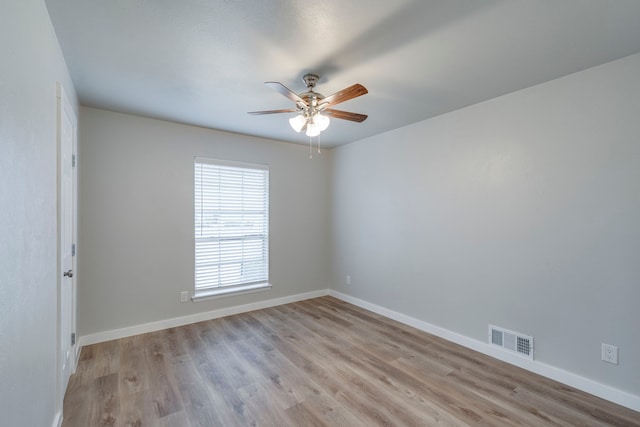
point(64, 109)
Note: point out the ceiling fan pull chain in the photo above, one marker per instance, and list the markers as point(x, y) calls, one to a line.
point(319, 144)
point(310, 147)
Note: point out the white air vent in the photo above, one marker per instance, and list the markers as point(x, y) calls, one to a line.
point(511, 341)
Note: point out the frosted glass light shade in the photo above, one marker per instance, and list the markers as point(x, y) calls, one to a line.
point(322, 121)
point(297, 122)
point(313, 129)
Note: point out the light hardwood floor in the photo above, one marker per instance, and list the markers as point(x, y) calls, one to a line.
point(320, 362)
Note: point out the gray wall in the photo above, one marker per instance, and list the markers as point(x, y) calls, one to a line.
point(31, 64)
point(136, 217)
point(523, 211)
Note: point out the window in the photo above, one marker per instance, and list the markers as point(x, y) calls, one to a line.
point(231, 227)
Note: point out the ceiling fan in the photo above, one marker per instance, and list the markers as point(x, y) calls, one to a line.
point(314, 108)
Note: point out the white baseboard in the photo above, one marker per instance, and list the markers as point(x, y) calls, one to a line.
point(57, 420)
point(581, 383)
point(193, 318)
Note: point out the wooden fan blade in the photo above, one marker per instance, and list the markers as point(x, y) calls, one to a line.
point(344, 95)
point(279, 87)
point(345, 115)
point(257, 113)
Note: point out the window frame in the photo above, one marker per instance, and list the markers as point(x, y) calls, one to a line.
point(216, 291)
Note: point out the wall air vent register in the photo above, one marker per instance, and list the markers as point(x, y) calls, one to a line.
point(511, 341)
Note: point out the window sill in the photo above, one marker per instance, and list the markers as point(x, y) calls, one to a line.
point(237, 290)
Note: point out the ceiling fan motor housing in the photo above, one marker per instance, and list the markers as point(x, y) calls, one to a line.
point(310, 80)
point(310, 97)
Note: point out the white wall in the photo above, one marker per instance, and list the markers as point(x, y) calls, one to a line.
point(32, 63)
point(136, 218)
point(523, 211)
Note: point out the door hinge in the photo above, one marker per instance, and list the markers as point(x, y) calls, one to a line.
point(73, 160)
point(73, 249)
point(73, 338)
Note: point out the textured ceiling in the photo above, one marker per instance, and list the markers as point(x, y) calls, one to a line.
point(203, 62)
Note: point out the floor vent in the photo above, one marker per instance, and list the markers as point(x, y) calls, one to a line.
point(511, 341)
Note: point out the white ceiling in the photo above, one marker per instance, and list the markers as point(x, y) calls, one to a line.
point(203, 62)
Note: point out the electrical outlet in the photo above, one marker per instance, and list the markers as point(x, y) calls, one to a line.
point(348, 280)
point(610, 353)
point(184, 296)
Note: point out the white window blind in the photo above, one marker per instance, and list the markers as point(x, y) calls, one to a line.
point(231, 225)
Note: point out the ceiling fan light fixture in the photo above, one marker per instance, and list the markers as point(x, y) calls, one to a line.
point(297, 122)
point(310, 104)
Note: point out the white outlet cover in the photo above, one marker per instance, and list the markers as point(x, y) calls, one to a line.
point(610, 353)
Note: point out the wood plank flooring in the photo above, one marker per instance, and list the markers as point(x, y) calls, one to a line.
point(320, 362)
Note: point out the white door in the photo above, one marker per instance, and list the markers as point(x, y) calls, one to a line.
point(67, 126)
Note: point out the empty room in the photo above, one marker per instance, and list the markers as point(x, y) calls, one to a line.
point(329, 213)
